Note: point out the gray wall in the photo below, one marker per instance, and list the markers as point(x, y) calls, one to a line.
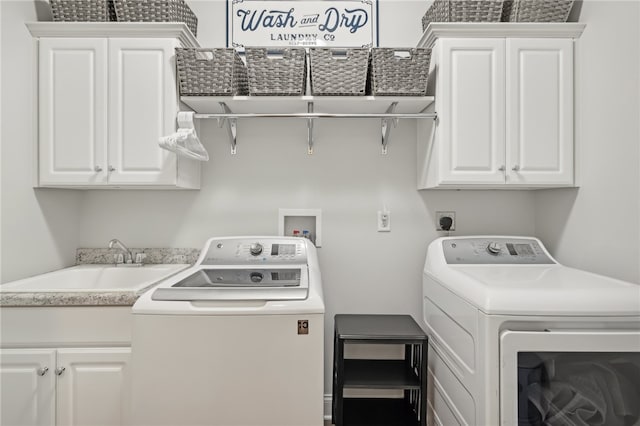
point(346, 177)
point(597, 227)
point(39, 229)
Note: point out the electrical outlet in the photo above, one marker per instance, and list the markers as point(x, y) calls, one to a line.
point(384, 221)
point(441, 219)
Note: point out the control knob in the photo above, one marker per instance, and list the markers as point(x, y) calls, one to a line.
point(493, 248)
point(255, 249)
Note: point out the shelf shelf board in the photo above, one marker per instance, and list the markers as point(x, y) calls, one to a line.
point(380, 328)
point(177, 30)
point(437, 30)
point(298, 104)
point(379, 374)
point(378, 412)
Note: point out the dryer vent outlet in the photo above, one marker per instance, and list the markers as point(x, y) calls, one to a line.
point(445, 221)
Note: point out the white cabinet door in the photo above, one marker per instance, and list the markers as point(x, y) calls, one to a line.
point(143, 105)
point(94, 387)
point(471, 111)
point(539, 116)
point(72, 111)
point(27, 387)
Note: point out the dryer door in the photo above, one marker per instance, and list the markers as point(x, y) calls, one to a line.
point(569, 377)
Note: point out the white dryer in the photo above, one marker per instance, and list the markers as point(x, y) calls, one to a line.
point(237, 339)
point(517, 339)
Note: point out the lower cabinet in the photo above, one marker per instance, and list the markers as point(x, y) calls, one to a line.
point(28, 387)
point(64, 386)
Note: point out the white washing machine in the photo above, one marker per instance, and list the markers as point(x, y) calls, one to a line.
point(237, 339)
point(517, 339)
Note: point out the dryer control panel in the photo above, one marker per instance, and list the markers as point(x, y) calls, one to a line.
point(257, 250)
point(495, 250)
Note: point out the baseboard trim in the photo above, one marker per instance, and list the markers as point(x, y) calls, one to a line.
point(327, 407)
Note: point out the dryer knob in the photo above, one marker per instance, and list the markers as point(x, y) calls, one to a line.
point(493, 248)
point(255, 249)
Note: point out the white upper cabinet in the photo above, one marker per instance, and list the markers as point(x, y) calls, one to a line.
point(143, 108)
point(72, 111)
point(539, 112)
point(106, 93)
point(504, 99)
point(471, 116)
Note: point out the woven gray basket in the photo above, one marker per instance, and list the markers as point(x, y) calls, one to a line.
point(111, 9)
point(399, 72)
point(82, 10)
point(211, 72)
point(463, 11)
point(339, 72)
point(156, 11)
point(429, 16)
point(536, 10)
point(277, 71)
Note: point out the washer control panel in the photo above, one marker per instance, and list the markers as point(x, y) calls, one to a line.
point(490, 251)
point(251, 251)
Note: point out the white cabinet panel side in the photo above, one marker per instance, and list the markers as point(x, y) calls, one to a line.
point(471, 128)
point(540, 111)
point(27, 394)
point(94, 387)
point(142, 107)
point(72, 111)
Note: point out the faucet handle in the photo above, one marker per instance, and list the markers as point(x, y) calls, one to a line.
point(118, 258)
point(140, 257)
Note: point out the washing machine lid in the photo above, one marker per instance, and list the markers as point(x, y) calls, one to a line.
point(241, 277)
point(237, 283)
point(535, 285)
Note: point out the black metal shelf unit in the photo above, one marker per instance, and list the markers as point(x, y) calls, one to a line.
point(408, 374)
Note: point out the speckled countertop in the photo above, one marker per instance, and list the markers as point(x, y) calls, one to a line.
point(70, 298)
point(118, 297)
point(154, 255)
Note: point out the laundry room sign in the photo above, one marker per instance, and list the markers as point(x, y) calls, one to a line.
point(343, 23)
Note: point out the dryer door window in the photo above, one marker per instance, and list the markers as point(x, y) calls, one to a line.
point(570, 378)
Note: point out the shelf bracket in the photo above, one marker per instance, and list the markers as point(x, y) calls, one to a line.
point(310, 129)
point(386, 126)
point(231, 124)
point(433, 115)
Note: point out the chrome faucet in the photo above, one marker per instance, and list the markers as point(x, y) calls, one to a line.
point(117, 244)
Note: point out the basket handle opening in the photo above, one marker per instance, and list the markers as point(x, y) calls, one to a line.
point(204, 55)
point(276, 53)
point(340, 55)
point(402, 54)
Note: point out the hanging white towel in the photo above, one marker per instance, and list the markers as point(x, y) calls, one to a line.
point(185, 141)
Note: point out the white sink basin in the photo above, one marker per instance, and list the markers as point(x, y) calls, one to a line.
point(95, 278)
